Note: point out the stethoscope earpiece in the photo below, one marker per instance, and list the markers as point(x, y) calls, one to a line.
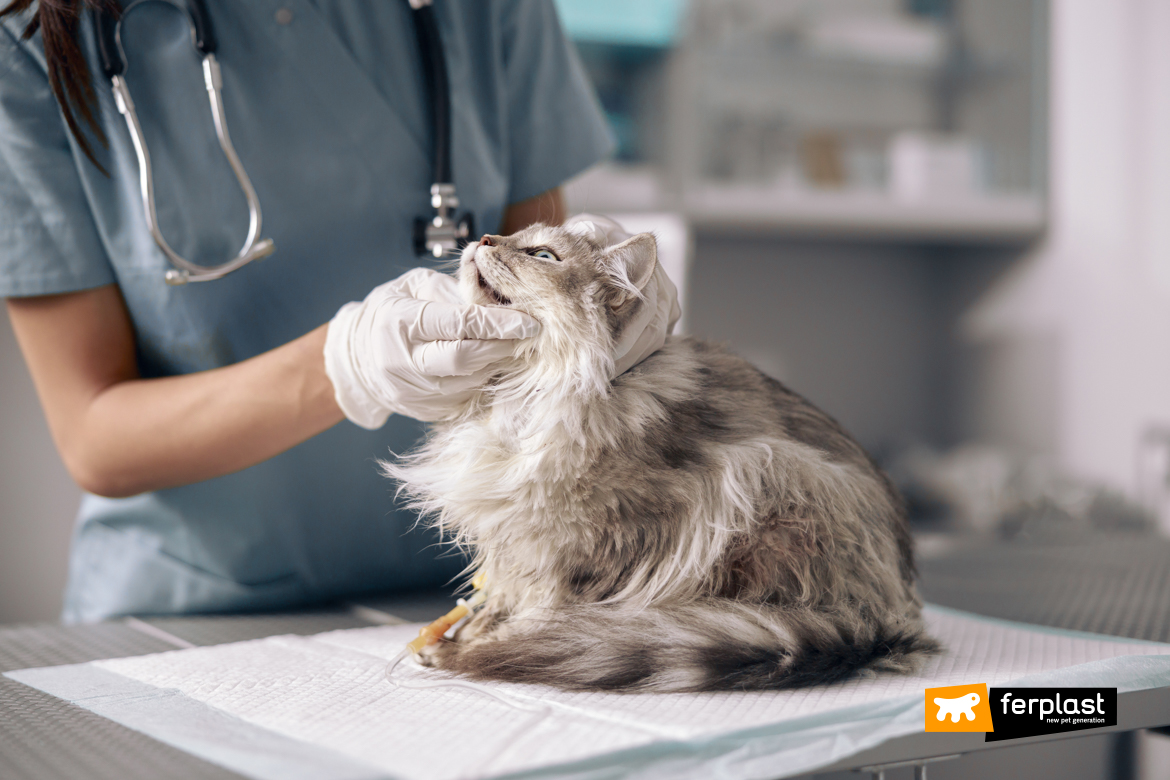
point(108, 29)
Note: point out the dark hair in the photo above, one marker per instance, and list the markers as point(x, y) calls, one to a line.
point(69, 78)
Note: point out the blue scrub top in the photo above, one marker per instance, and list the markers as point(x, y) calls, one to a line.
point(328, 116)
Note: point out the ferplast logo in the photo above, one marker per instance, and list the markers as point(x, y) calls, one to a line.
point(1029, 712)
point(958, 708)
point(1012, 713)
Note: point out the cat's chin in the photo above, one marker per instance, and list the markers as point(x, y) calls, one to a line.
point(474, 291)
point(477, 290)
point(491, 295)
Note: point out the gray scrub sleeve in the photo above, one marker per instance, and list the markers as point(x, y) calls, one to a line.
point(49, 240)
point(557, 128)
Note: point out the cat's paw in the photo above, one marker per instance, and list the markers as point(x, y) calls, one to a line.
point(440, 655)
point(481, 624)
point(431, 655)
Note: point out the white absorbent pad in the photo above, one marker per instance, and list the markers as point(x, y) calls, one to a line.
point(320, 707)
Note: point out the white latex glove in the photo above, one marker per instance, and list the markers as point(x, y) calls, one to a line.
point(414, 347)
point(648, 332)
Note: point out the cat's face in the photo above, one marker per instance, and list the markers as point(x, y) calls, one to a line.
point(559, 276)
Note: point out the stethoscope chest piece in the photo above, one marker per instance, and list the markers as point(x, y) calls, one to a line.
point(444, 232)
point(107, 28)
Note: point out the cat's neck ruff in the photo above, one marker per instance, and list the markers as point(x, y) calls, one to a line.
point(518, 454)
point(554, 384)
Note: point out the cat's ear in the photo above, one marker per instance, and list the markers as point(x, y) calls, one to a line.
point(631, 265)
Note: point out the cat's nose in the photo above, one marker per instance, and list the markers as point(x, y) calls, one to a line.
point(487, 241)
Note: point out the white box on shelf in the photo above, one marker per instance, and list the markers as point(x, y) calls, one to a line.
point(926, 166)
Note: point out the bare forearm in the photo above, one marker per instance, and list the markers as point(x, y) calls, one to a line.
point(547, 207)
point(120, 435)
point(147, 434)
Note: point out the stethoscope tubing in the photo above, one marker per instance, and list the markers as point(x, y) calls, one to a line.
point(430, 49)
point(107, 25)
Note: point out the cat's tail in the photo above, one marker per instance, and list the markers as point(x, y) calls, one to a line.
point(711, 645)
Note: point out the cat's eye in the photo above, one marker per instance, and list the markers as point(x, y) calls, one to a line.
point(545, 254)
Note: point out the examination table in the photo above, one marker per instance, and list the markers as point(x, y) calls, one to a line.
point(1117, 585)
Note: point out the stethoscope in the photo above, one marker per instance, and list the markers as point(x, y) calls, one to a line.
point(437, 235)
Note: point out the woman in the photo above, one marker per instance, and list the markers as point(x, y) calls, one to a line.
point(202, 420)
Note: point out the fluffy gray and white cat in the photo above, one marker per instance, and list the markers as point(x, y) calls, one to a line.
point(689, 525)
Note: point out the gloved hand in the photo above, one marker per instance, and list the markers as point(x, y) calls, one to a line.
point(414, 347)
point(648, 332)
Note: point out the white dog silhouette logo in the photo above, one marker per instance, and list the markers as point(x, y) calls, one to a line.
point(963, 705)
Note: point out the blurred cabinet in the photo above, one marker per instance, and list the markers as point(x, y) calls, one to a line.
point(915, 119)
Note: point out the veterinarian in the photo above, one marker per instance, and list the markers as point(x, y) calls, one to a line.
point(202, 420)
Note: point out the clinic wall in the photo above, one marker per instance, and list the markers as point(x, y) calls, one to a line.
point(998, 390)
point(1078, 333)
point(38, 500)
point(862, 330)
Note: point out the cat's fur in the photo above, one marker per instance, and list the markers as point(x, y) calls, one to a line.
point(690, 525)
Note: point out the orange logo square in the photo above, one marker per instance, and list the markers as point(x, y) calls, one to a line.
point(958, 708)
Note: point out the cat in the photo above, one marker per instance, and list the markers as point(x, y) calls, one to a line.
point(689, 525)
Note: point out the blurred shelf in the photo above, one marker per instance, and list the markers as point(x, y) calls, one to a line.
point(856, 214)
point(866, 214)
point(761, 64)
